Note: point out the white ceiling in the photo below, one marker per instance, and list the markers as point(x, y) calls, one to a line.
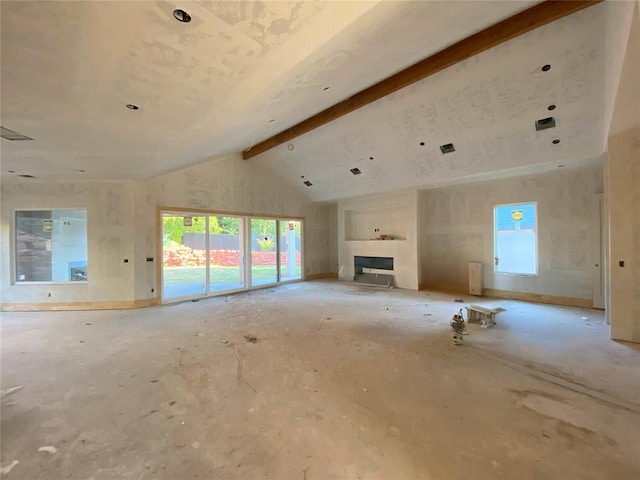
point(212, 86)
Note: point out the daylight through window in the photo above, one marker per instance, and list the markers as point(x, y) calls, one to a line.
point(51, 245)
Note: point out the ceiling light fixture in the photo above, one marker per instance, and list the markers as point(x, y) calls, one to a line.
point(26, 176)
point(82, 171)
point(370, 158)
point(422, 144)
point(556, 141)
point(447, 148)
point(560, 166)
point(356, 171)
point(546, 68)
point(326, 88)
point(12, 171)
point(131, 106)
point(271, 120)
point(181, 15)
point(551, 107)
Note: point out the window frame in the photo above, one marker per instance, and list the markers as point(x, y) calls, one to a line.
point(495, 240)
point(14, 247)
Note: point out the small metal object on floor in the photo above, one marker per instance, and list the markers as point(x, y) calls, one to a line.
point(458, 326)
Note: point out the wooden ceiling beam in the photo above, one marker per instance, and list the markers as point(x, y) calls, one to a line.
point(523, 22)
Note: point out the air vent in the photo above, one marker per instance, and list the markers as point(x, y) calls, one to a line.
point(356, 171)
point(307, 183)
point(448, 148)
point(11, 135)
point(545, 123)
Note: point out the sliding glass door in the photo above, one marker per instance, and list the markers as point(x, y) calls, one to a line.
point(264, 255)
point(184, 272)
point(205, 255)
point(290, 251)
point(226, 254)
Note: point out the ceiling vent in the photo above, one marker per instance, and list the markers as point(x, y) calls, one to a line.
point(356, 171)
point(448, 148)
point(307, 183)
point(11, 135)
point(545, 123)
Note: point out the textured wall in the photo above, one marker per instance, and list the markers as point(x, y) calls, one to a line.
point(404, 252)
point(623, 197)
point(110, 230)
point(122, 224)
point(457, 227)
point(231, 184)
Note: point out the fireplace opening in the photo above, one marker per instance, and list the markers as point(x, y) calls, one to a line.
point(365, 270)
point(379, 263)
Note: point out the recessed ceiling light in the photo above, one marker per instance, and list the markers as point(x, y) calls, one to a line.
point(551, 107)
point(326, 88)
point(546, 68)
point(545, 123)
point(307, 183)
point(181, 15)
point(356, 171)
point(131, 106)
point(290, 146)
point(560, 166)
point(556, 141)
point(370, 158)
point(12, 171)
point(447, 148)
point(301, 176)
point(82, 171)
point(422, 144)
point(271, 120)
point(26, 176)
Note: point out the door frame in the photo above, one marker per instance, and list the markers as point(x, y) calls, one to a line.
point(246, 218)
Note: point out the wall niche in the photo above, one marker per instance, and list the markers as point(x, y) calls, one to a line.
point(376, 224)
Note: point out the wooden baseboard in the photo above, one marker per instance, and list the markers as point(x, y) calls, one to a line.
point(525, 297)
point(318, 276)
point(67, 306)
point(441, 287)
point(539, 298)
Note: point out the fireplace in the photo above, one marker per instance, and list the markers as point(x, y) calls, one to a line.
point(365, 270)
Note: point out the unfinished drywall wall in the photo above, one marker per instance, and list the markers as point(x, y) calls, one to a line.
point(622, 197)
point(457, 228)
point(361, 221)
point(110, 230)
point(231, 184)
point(317, 239)
point(121, 224)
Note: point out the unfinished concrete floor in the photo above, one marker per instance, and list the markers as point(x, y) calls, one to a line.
point(344, 382)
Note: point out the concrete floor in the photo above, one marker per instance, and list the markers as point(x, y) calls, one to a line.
point(344, 382)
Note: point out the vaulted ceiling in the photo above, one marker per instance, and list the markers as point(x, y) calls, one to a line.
point(240, 72)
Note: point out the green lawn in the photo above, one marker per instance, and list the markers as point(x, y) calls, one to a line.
point(180, 275)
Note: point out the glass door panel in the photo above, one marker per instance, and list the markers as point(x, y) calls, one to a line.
point(226, 253)
point(264, 264)
point(290, 255)
point(184, 254)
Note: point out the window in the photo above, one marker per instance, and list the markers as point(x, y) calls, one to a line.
point(51, 245)
point(515, 236)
